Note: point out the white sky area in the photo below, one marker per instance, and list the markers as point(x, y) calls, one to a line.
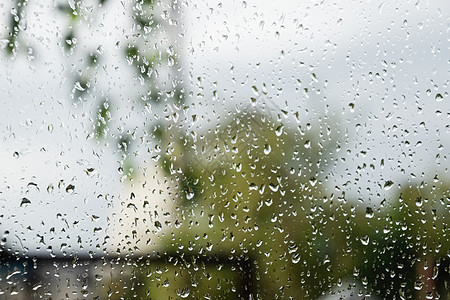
point(367, 67)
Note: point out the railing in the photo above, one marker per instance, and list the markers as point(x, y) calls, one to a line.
point(109, 276)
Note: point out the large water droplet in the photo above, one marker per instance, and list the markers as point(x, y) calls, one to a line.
point(419, 202)
point(369, 213)
point(388, 185)
point(190, 193)
point(279, 130)
point(418, 285)
point(184, 293)
point(70, 188)
point(24, 202)
point(365, 240)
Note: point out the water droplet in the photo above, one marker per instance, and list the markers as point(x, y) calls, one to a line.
point(78, 86)
point(98, 277)
point(33, 185)
point(184, 293)
point(274, 187)
point(255, 90)
point(190, 193)
point(24, 202)
point(165, 283)
point(261, 25)
point(369, 212)
point(352, 107)
point(158, 225)
point(267, 149)
point(419, 202)
point(418, 285)
point(365, 240)
point(70, 188)
point(279, 130)
point(313, 181)
point(388, 184)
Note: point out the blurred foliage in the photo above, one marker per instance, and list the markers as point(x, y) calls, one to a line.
point(16, 25)
point(256, 190)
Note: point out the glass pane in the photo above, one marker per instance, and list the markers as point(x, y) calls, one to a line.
point(224, 150)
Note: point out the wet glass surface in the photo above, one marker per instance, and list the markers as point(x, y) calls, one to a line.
point(224, 150)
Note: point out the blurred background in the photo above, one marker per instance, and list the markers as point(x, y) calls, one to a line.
point(224, 150)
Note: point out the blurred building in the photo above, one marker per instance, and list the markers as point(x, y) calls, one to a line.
point(143, 214)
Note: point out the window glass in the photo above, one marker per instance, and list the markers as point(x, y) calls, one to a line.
point(224, 150)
